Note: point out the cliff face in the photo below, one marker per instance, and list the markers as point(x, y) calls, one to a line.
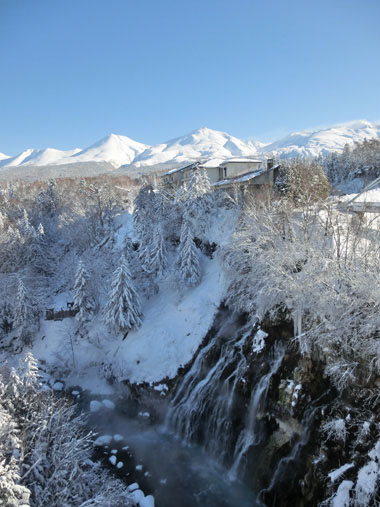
point(270, 415)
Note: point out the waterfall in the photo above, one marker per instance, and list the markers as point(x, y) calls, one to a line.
point(249, 435)
point(206, 406)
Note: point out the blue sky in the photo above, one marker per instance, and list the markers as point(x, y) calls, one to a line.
point(73, 71)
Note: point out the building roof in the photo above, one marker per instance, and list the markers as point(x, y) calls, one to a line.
point(240, 160)
point(178, 169)
point(211, 163)
point(242, 178)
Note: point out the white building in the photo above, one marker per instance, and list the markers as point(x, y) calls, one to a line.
point(226, 172)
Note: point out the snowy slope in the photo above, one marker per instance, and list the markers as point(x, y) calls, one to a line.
point(3, 156)
point(38, 157)
point(323, 141)
point(174, 324)
point(117, 150)
point(203, 143)
point(199, 144)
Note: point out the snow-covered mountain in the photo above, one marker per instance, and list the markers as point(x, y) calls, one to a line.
point(122, 152)
point(320, 142)
point(38, 157)
point(199, 144)
point(117, 150)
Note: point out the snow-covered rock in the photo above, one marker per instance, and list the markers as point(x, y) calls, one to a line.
point(108, 404)
point(112, 460)
point(95, 406)
point(147, 501)
point(133, 487)
point(103, 440)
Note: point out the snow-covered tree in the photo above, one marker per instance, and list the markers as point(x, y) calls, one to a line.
point(188, 257)
point(123, 310)
point(24, 313)
point(158, 257)
point(302, 181)
point(198, 201)
point(151, 217)
point(46, 451)
point(82, 294)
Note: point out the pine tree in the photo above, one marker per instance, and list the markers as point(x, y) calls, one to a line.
point(123, 310)
point(188, 260)
point(198, 201)
point(158, 258)
point(23, 309)
point(82, 294)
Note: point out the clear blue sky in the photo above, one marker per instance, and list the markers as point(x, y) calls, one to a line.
point(73, 71)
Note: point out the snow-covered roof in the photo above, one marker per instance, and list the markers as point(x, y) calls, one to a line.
point(239, 160)
point(178, 169)
point(211, 163)
point(243, 177)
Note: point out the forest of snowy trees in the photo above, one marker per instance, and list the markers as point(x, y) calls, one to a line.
point(293, 257)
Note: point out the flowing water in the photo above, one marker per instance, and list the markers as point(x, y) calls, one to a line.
point(176, 475)
point(201, 455)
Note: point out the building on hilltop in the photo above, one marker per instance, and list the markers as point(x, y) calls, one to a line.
point(223, 173)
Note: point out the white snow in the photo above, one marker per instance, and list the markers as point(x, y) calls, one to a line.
point(139, 467)
point(199, 144)
point(133, 487)
point(108, 404)
point(95, 406)
point(112, 460)
point(137, 496)
point(148, 501)
point(336, 474)
point(174, 324)
point(202, 144)
point(324, 140)
point(342, 496)
point(57, 386)
point(120, 465)
point(116, 149)
point(118, 438)
point(103, 440)
point(258, 342)
point(113, 451)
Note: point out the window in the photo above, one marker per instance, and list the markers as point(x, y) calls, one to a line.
point(225, 172)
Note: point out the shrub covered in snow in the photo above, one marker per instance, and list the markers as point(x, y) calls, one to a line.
point(45, 451)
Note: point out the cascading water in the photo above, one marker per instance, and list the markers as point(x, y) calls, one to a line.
point(250, 436)
point(207, 407)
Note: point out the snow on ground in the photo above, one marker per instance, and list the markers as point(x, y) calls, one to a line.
point(173, 328)
point(369, 196)
point(174, 325)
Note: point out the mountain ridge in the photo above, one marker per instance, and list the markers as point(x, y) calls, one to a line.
point(124, 153)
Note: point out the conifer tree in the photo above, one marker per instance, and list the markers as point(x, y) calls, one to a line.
point(158, 258)
point(123, 310)
point(82, 294)
point(188, 259)
point(24, 312)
